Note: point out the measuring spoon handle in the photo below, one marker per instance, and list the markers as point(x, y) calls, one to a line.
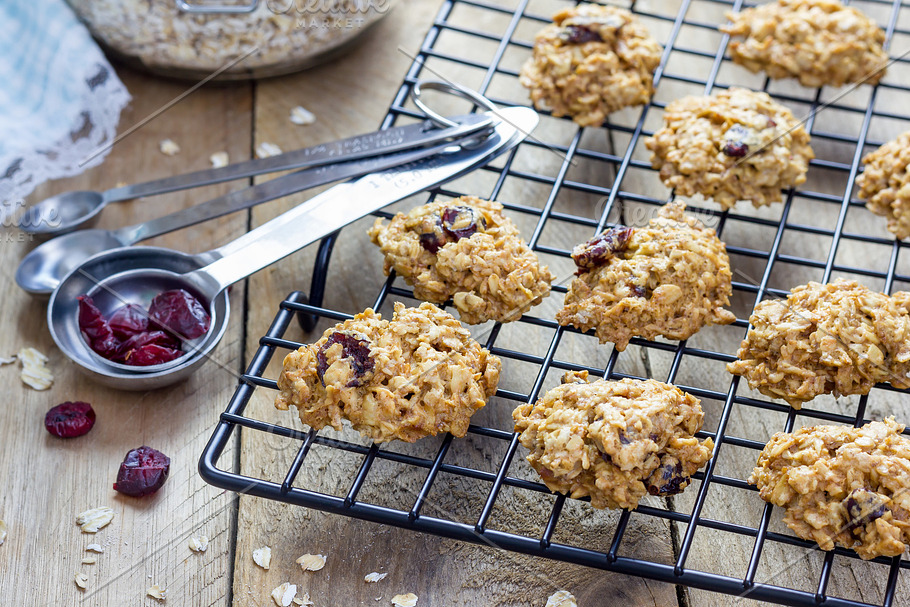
point(388, 141)
point(269, 190)
point(344, 203)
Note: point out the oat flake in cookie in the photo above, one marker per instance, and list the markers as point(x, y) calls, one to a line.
point(885, 184)
point(466, 250)
point(841, 485)
point(670, 278)
point(839, 338)
point(591, 61)
point(820, 42)
point(417, 375)
point(614, 441)
point(733, 145)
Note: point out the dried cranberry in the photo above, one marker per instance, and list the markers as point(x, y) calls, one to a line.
point(579, 34)
point(735, 141)
point(668, 479)
point(128, 321)
point(150, 354)
point(736, 150)
point(70, 419)
point(771, 124)
point(864, 506)
point(142, 472)
point(435, 239)
point(599, 250)
point(638, 291)
point(462, 222)
point(96, 330)
point(358, 350)
point(180, 313)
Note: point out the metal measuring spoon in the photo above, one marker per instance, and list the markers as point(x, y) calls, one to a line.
point(70, 211)
point(136, 274)
point(41, 270)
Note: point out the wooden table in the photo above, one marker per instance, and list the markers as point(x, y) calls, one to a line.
point(46, 481)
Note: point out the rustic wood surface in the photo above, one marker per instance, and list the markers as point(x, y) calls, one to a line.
point(46, 481)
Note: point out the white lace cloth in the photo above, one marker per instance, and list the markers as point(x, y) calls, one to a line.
point(60, 100)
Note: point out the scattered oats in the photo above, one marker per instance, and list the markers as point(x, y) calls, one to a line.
point(219, 159)
point(374, 577)
point(2, 532)
point(94, 548)
point(301, 115)
point(96, 518)
point(156, 592)
point(561, 598)
point(34, 369)
point(7, 361)
point(284, 594)
point(198, 543)
point(266, 149)
point(89, 560)
point(81, 580)
point(168, 147)
point(405, 600)
point(262, 556)
point(311, 562)
point(304, 601)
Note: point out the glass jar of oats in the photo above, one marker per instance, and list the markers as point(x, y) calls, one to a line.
point(233, 39)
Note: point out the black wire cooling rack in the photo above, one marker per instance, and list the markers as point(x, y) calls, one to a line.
point(818, 233)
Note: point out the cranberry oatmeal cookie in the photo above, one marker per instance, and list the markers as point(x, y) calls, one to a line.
point(841, 485)
point(885, 184)
point(466, 250)
point(839, 338)
point(670, 278)
point(615, 441)
point(591, 61)
point(417, 375)
point(733, 145)
point(820, 42)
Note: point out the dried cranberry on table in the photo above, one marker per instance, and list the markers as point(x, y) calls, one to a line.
point(142, 472)
point(70, 419)
point(179, 313)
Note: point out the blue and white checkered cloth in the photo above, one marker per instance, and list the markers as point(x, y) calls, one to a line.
point(60, 101)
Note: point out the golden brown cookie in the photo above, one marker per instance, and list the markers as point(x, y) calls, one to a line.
point(670, 278)
point(733, 145)
point(839, 338)
point(820, 42)
point(417, 375)
point(615, 441)
point(885, 184)
point(466, 250)
point(591, 61)
point(841, 485)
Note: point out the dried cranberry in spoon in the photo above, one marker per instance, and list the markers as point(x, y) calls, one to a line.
point(142, 472)
point(179, 313)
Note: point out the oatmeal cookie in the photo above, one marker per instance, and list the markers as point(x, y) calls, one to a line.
point(466, 250)
point(670, 278)
point(591, 61)
point(414, 376)
point(885, 184)
point(839, 338)
point(820, 42)
point(614, 441)
point(733, 145)
point(841, 485)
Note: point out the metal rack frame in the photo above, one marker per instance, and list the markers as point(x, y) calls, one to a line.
point(298, 305)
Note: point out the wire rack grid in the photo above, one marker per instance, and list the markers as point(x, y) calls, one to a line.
point(561, 186)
